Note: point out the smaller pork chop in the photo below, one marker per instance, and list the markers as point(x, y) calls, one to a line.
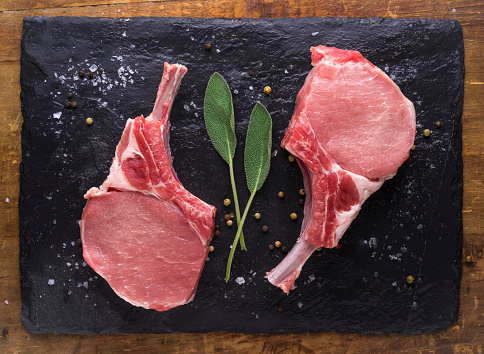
point(142, 230)
point(351, 130)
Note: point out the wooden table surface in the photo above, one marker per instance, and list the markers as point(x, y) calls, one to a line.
point(465, 336)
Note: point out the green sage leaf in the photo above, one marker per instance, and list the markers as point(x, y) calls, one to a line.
point(257, 153)
point(219, 117)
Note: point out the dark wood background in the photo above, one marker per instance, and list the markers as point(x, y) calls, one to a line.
point(466, 336)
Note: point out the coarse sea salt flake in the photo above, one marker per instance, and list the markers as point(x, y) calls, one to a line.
point(51, 282)
point(240, 280)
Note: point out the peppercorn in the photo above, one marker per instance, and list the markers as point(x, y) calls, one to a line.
point(413, 147)
point(279, 307)
point(302, 191)
point(291, 158)
point(69, 95)
point(271, 247)
point(211, 248)
point(284, 249)
point(100, 71)
point(90, 74)
point(217, 232)
point(226, 201)
point(216, 227)
point(277, 244)
point(67, 105)
point(66, 295)
point(267, 90)
point(251, 73)
point(74, 104)
point(89, 121)
point(81, 73)
point(280, 194)
point(265, 228)
point(208, 46)
point(318, 249)
point(79, 241)
point(4, 332)
point(469, 259)
point(232, 215)
point(426, 132)
point(410, 279)
point(293, 216)
point(229, 222)
point(257, 216)
point(438, 124)
point(301, 201)
point(227, 217)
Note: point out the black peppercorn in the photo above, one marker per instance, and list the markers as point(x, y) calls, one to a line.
point(100, 71)
point(265, 228)
point(271, 247)
point(66, 295)
point(69, 95)
point(90, 75)
point(284, 249)
point(67, 105)
point(79, 241)
point(81, 73)
point(208, 46)
point(4, 332)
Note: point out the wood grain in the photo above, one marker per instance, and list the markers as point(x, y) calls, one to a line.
point(466, 336)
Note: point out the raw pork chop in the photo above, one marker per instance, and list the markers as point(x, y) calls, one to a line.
point(351, 130)
point(142, 230)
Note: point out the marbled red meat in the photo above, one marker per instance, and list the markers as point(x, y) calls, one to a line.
point(351, 130)
point(142, 230)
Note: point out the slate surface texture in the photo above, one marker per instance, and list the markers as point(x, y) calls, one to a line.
point(411, 226)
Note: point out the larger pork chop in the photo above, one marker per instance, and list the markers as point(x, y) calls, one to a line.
point(142, 230)
point(351, 130)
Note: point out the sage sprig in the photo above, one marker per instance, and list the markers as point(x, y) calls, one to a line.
point(219, 121)
point(257, 160)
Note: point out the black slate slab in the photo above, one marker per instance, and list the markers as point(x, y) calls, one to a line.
point(412, 226)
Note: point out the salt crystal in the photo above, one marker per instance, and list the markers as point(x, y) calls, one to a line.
point(251, 88)
point(314, 34)
point(68, 264)
point(57, 115)
point(300, 305)
point(6, 302)
point(7, 200)
point(51, 282)
point(372, 243)
point(124, 34)
point(394, 283)
point(240, 280)
point(419, 227)
point(312, 277)
point(274, 153)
